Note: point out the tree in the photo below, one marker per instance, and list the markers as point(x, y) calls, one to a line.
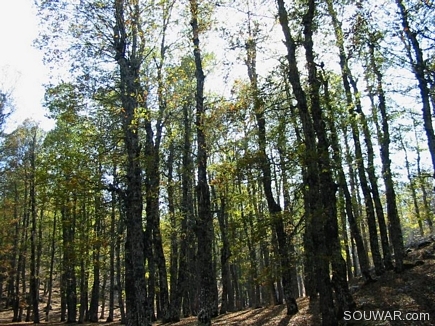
point(128, 52)
point(204, 225)
point(416, 60)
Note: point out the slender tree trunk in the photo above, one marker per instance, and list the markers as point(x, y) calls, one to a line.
point(225, 252)
point(342, 182)
point(69, 255)
point(51, 270)
point(20, 248)
point(174, 256)
point(287, 207)
point(412, 185)
point(204, 223)
point(152, 182)
point(119, 272)
point(34, 277)
point(12, 295)
point(427, 210)
point(418, 65)
point(112, 251)
point(103, 294)
point(184, 284)
point(371, 219)
point(275, 209)
point(95, 292)
point(388, 265)
point(393, 216)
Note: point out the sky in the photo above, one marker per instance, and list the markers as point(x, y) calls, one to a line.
point(21, 69)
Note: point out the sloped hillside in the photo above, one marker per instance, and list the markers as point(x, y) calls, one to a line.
point(393, 295)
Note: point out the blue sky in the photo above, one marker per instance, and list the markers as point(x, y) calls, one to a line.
point(21, 69)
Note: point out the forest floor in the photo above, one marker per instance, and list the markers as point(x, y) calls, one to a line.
point(411, 292)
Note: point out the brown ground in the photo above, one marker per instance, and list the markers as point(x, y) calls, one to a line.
point(413, 291)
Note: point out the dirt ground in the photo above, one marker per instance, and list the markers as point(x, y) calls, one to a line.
point(412, 292)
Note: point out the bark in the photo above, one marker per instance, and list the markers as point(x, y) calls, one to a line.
point(204, 222)
point(34, 277)
point(288, 209)
point(236, 286)
point(225, 253)
point(69, 261)
point(112, 251)
point(153, 234)
point(95, 292)
point(174, 256)
point(309, 167)
point(12, 295)
point(187, 237)
point(103, 295)
point(342, 183)
point(84, 229)
point(129, 60)
point(119, 279)
point(83, 310)
point(328, 187)
point(19, 277)
point(152, 183)
point(266, 267)
point(274, 208)
point(319, 198)
point(343, 234)
point(393, 216)
point(51, 270)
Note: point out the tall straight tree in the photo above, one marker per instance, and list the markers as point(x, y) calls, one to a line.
point(128, 55)
point(34, 277)
point(322, 214)
point(384, 135)
point(204, 223)
point(346, 77)
point(274, 208)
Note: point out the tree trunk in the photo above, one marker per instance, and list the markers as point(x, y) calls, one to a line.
point(342, 183)
point(204, 222)
point(103, 295)
point(320, 212)
point(51, 270)
point(393, 216)
point(345, 72)
point(69, 261)
point(34, 277)
point(95, 292)
point(275, 210)
point(388, 265)
point(225, 252)
point(129, 62)
point(119, 279)
point(173, 267)
point(152, 182)
point(328, 187)
point(418, 65)
point(187, 213)
point(12, 295)
point(112, 251)
point(427, 210)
